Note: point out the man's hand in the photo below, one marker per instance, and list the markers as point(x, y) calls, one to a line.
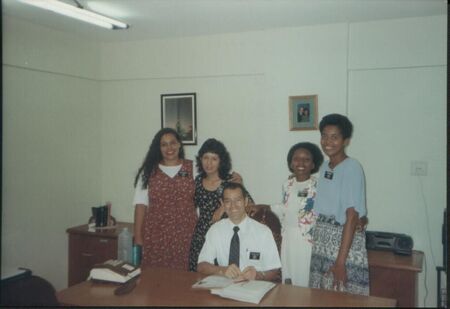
point(232, 271)
point(249, 273)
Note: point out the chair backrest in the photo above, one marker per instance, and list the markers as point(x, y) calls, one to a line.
point(31, 291)
point(267, 217)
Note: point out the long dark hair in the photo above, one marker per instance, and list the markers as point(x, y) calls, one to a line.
point(154, 156)
point(214, 146)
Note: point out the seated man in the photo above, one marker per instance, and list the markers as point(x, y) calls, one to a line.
point(243, 248)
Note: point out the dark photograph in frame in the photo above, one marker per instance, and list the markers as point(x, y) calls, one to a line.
point(179, 112)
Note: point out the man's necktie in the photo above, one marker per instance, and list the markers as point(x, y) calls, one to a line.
point(234, 248)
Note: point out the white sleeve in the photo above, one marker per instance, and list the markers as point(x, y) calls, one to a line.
point(278, 210)
point(271, 256)
point(140, 195)
point(194, 171)
point(208, 252)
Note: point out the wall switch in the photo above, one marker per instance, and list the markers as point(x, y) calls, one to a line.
point(419, 168)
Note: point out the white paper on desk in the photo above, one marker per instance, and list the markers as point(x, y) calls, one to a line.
point(249, 291)
point(213, 281)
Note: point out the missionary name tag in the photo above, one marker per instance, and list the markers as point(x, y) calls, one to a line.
point(328, 175)
point(254, 255)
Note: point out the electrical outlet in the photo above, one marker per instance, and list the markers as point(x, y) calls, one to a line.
point(419, 168)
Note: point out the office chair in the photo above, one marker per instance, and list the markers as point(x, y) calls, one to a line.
point(31, 291)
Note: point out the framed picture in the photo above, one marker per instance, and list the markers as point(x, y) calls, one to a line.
point(179, 111)
point(303, 112)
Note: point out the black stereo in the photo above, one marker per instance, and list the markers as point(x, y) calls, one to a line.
point(397, 243)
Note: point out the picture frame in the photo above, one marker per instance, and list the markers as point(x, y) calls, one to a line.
point(303, 112)
point(179, 112)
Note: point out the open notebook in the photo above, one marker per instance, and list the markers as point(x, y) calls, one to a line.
point(248, 291)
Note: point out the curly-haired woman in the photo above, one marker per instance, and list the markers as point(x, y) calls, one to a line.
point(214, 166)
point(296, 212)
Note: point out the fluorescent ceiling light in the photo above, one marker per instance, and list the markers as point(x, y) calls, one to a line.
point(78, 13)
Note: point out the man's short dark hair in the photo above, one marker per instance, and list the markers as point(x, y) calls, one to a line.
point(233, 186)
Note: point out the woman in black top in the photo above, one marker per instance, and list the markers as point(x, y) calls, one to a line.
point(214, 166)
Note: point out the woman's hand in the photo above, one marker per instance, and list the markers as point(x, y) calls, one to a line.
point(338, 269)
point(138, 240)
point(253, 209)
point(236, 177)
point(362, 224)
point(248, 208)
point(339, 276)
point(218, 214)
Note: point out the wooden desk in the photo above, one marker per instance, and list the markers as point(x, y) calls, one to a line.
point(395, 276)
point(167, 287)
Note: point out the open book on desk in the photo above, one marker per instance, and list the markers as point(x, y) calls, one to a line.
point(248, 291)
point(114, 271)
point(213, 282)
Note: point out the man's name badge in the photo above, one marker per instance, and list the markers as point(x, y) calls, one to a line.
point(254, 255)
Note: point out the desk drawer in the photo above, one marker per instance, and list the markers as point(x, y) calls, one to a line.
point(87, 250)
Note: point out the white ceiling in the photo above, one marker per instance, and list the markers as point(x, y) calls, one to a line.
point(150, 19)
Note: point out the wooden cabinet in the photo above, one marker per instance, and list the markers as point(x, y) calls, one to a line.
point(395, 276)
point(87, 248)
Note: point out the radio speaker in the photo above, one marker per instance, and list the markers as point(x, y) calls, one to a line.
point(398, 243)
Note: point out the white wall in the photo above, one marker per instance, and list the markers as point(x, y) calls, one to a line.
point(242, 82)
point(51, 154)
point(397, 100)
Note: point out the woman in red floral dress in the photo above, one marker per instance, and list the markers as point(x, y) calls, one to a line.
point(165, 216)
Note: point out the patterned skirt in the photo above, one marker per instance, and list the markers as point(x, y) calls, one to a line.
point(327, 236)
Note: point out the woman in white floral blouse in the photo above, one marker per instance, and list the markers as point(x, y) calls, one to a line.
point(296, 212)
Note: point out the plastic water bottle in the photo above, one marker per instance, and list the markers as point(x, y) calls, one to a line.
point(125, 246)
